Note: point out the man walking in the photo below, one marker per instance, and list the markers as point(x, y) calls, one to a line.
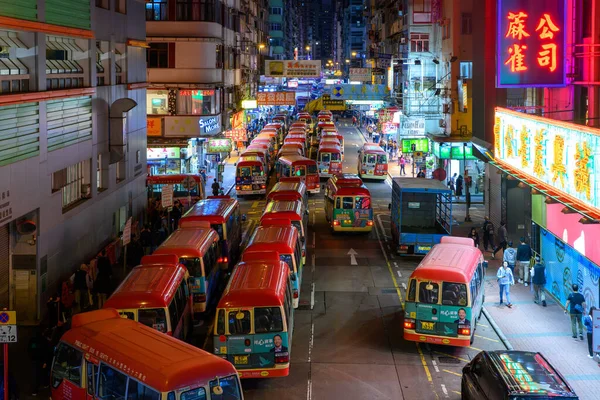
point(215, 188)
point(538, 278)
point(488, 234)
point(510, 256)
point(523, 259)
point(575, 305)
point(502, 237)
point(505, 280)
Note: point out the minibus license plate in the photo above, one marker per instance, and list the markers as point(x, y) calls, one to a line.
point(240, 360)
point(427, 326)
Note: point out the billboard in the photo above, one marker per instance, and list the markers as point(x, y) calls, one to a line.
point(276, 98)
point(531, 43)
point(560, 154)
point(359, 92)
point(293, 68)
point(192, 126)
point(360, 74)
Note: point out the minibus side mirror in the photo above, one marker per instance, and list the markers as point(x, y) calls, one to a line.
point(358, 151)
point(235, 164)
point(306, 212)
point(303, 239)
point(243, 217)
point(191, 281)
point(390, 207)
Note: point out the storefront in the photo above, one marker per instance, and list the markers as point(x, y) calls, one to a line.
point(549, 190)
point(174, 156)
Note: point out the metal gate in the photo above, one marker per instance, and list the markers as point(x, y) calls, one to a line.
point(4, 266)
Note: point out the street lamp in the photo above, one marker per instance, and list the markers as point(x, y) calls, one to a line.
point(307, 48)
point(353, 54)
point(347, 61)
point(261, 46)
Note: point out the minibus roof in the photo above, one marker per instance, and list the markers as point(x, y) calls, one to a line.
point(329, 147)
point(346, 180)
point(449, 262)
point(249, 160)
point(373, 148)
point(189, 242)
point(286, 188)
point(291, 210)
point(256, 283)
point(168, 364)
point(273, 238)
point(352, 191)
point(297, 158)
point(215, 211)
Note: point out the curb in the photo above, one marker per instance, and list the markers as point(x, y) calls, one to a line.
point(229, 190)
point(497, 329)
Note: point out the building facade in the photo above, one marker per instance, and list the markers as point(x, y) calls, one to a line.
point(354, 32)
point(72, 139)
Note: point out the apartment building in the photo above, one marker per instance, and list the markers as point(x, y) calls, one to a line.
point(72, 139)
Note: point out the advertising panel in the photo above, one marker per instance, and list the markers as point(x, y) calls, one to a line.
point(249, 104)
point(192, 126)
point(419, 145)
point(276, 98)
point(154, 127)
point(359, 92)
point(559, 154)
point(238, 135)
point(360, 74)
point(564, 267)
point(219, 146)
point(293, 68)
point(412, 126)
point(161, 153)
point(210, 125)
point(531, 43)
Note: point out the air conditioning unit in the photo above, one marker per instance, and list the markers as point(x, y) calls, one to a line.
point(442, 123)
point(402, 40)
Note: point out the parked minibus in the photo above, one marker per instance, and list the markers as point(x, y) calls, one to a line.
point(285, 241)
point(104, 356)
point(291, 149)
point(329, 160)
point(289, 191)
point(255, 319)
point(294, 138)
point(156, 294)
point(264, 141)
point(261, 150)
point(445, 294)
point(298, 166)
point(326, 133)
point(250, 176)
point(198, 250)
point(187, 188)
point(372, 162)
point(348, 206)
point(223, 215)
point(292, 212)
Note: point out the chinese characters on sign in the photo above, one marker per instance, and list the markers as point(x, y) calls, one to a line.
point(293, 68)
point(561, 155)
point(154, 127)
point(276, 98)
point(531, 43)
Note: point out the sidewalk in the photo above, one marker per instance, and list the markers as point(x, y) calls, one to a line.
point(228, 175)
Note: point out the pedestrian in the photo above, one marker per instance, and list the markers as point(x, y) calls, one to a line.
point(452, 183)
point(176, 214)
point(353, 120)
point(402, 163)
point(502, 238)
point(215, 188)
point(488, 233)
point(523, 259)
point(146, 239)
point(89, 282)
point(421, 173)
point(38, 350)
point(538, 279)
point(510, 256)
point(459, 186)
point(588, 323)
point(475, 236)
point(80, 287)
point(103, 283)
point(505, 280)
point(135, 252)
point(575, 306)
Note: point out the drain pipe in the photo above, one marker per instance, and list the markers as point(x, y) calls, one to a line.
point(497, 329)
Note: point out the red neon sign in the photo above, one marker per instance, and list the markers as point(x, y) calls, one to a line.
point(196, 92)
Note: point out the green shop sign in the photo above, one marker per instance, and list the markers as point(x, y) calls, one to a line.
point(454, 151)
point(421, 144)
point(219, 146)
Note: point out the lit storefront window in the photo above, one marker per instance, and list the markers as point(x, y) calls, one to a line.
point(157, 102)
point(198, 102)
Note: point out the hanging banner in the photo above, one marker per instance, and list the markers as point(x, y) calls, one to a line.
point(237, 135)
point(359, 92)
point(360, 74)
point(276, 98)
point(237, 120)
point(293, 68)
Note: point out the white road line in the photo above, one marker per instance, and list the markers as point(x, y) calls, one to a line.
point(381, 226)
point(444, 390)
point(312, 296)
point(311, 341)
point(395, 264)
point(435, 366)
point(314, 214)
point(399, 274)
point(309, 389)
point(403, 285)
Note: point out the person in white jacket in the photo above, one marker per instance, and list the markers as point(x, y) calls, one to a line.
point(505, 280)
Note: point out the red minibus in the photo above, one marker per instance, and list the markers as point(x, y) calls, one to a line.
point(156, 294)
point(104, 356)
point(372, 162)
point(187, 188)
point(289, 191)
point(290, 149)
point(298, 166)
point(329, 159)
point(250, 176)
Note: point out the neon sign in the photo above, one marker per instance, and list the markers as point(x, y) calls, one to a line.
point(196, 93)
point(531, 43)
point(560, 154)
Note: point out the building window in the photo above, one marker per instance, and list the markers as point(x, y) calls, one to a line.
point(587, 15)
point(466, 70)
point(467, 24)
point(446, 29)
point(121, 6)
point(157, 102)
point(421, 11)
point(101, 63)
point(74, 183)
point(14, 75)
point(157, 10)
point(198, 102)
point(120, 64)
point(62, 71)
point(103, 4)
point(275, 26)
point(158, 55)
point(102, 173)
point(121, 171)
point(276, 11)
point(419, 42)
point(200, 10)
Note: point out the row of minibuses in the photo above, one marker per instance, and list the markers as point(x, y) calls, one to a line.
point(105, 356)
point(254, 165)
point(254, 320)
point(348, 204)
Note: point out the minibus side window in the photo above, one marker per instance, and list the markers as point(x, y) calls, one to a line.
point(287, 258)
point(111, 383)
point(338, 203)
point(194, 394)
point(412, 290)
point(67, 365)
point(371, 159)
point(174, 314)
point(192, 265)
point(154, 318)
point(267, 319)
point(454, 294)
point(210, 259)
point(429, 295)
point(221, 322)
point(139, 391)
point(239, 322)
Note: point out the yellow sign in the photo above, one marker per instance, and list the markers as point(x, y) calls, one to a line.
point(249, 104)
point(154, 127)
point(8, 317)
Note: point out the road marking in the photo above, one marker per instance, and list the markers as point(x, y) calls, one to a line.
point(314, 217)
point(395, 264)
point(444, 390)
point(381, 226)
point(450, 355)
point(485, 326)
point(399, 274)
point(311, 341)
point(352, 253)
point(422, 356)
point(312, 296)
point(453, 373)
point(475, 348)
point(309, 387)
point(435, 366)
point(387, 261)
point(487, 338)
point(255, 204)
point(455, 392)
point(404, 286)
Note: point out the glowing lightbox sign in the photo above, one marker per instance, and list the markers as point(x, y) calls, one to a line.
point(531, 43)
point(560, 154)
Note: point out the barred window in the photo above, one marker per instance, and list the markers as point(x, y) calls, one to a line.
point(73, 182)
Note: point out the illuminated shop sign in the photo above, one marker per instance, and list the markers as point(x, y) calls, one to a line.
point(210, 125)
point(531, 43)
point(196, 93)
point(559, 154)
point(162, 153)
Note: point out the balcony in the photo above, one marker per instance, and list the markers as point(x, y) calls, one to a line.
point(183, 29)
point(184, 75)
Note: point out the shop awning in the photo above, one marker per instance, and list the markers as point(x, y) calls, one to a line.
point(590, 213)
point(10, 39)
point(61, 43)
point(481, 148)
